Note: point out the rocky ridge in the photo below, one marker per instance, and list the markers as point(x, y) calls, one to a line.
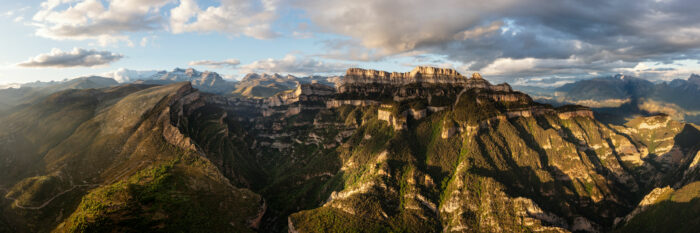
point(420, 156)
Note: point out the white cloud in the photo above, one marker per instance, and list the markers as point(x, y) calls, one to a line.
point(147, 39)
point(235, 17)
point(302, 31)
point(506, 66)
point(19, 11)
point(123, 75)
point(90, 19)
point(108, 21)
point(231, 63)
point(144, 42)
point(292, 64)
point(75, 58)
point(660, 71)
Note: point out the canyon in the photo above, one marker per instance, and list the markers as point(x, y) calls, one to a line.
point(429, 150)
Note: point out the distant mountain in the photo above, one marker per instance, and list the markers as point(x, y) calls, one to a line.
point(206, 81)
point(250, 86)
point(21, 93)
point(623, 96)
point(597, 89)
point(265, 85)
point(429, 150)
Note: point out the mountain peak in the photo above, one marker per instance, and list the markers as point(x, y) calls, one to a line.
point(191, 75)
point(191, 72)
point(694, 78)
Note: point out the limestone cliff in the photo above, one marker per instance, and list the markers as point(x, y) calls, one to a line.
point(418, 74)
point(303, 92)
point(424, 151)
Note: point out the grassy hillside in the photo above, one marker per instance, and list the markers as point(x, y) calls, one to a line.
point(116, 161)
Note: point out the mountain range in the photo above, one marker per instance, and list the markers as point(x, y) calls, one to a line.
point(251, 86)
point(429, 150)
point(621, 97)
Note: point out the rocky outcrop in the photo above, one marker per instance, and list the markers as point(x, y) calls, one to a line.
point(303, 97)
point(255, 222)
point(648, 201)
point(421, 82)
point(576, 113)
point(290, 226)
point(418, 74)
point(303, 92)
point(384, 113)
point(529, 112)
point(335, 103)
point(418, 113)
point(448, 129)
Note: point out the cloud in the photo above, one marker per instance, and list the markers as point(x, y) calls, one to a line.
point(75, 58)
point(124, 75)
point(147, 40)
point(302, 31)
point(477, 33)
point(19, 11)
point(545, 82)
point(109, 21)
point(292, 64)
point(661, 71)
point(91, 19)
point(235, 17)
point(231, 63)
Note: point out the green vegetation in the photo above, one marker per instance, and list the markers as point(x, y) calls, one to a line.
point(157, 159)
point(173, 196)
point(674, 211)
point(468, 111)
point(34, 191)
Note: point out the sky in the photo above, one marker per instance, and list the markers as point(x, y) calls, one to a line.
point(523, 42)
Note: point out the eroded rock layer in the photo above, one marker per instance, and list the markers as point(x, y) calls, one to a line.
point(425, 151)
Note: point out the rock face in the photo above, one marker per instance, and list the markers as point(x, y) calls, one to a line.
point(421, 82)
point(442, 88)
point(305, 97)
point(646, 202)
point(576, 113)
point(386, 156)
point(398, 122)
point(303, 92)
point(206, 78)
point(419, 74)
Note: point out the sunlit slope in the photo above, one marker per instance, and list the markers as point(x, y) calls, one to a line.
point(118, 163)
